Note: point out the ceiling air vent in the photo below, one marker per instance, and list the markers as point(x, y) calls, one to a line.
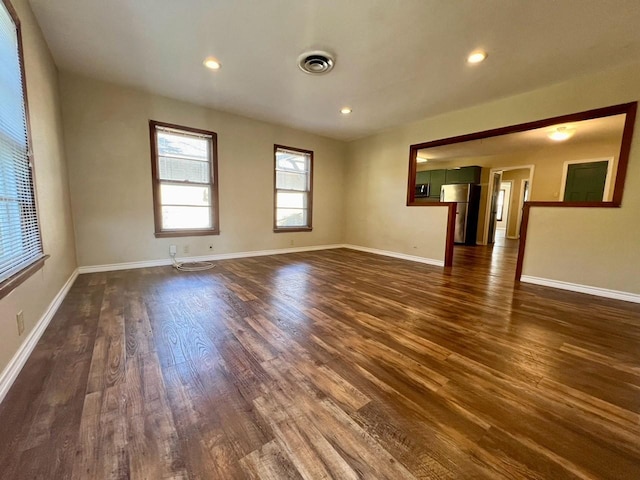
point(316, 62)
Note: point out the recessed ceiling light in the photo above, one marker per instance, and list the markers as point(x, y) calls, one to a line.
point(345, 110)
point(212, 63)
point(561, 134)
point(422, 160)
point(477, 56)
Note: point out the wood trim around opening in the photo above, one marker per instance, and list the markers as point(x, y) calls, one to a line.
point(302, 228)
point(18, 278)
point(630, 109)
point(213, 183)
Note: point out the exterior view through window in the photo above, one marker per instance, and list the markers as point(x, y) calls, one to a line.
point(20, 243)
point(184, 180)
point(293, 189)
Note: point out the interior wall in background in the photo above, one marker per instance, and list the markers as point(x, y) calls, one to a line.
point(108, 150)
point(561, 242)
point(35, 295)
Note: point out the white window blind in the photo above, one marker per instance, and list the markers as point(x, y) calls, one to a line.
point(20, 243)
point(293, 188)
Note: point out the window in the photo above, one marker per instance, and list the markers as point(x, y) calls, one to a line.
point(20, 243)
point(293, 189)
point(185, 180)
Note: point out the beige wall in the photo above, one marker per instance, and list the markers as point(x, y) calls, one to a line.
point(107, 139)
point(596, 247)
point(34, 296)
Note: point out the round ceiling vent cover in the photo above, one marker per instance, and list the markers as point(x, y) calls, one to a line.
point(316, 62)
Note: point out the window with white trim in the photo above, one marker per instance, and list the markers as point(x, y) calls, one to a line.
point(293, 189)
point(185, 184)
point(20, 243)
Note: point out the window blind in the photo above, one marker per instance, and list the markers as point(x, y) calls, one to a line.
point(293, 188)
point(186, 179)
point(20, 243)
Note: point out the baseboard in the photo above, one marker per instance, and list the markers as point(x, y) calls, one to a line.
point(202, 258)
point(574, 287)
point(11, 371)
point(403, 256)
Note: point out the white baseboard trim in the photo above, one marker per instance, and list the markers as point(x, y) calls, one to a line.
point(403, 256)
point(11, 371)
point(204, 258)
point(574, 287)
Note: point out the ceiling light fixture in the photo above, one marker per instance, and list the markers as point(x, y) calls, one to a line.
point(560, 134)
point(477, 56)
point(345, 110)
point(211, 63)
point(422, 160)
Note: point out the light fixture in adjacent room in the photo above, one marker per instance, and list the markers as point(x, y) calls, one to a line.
point(560, 134)
point(421, 160)
point(212, 63)
point(346, 110)
point(477, 56)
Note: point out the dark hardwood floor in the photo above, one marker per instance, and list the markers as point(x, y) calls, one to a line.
point(329, 364)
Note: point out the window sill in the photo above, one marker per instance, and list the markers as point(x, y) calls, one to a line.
point(187, 233)
point(292, 229)
point(15, 280)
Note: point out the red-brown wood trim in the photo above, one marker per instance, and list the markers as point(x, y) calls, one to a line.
point(309, 226)
point(524, 224)
point(451, 234)
point(15, 280)
point(292, 229)
point(214, 181)
point(629, 109)
point(625, 148)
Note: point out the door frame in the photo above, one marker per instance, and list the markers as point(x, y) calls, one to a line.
point(607, 183)
point(487, 214)
point(507, 204)
point(521, 206)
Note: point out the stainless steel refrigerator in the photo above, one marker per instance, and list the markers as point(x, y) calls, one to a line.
point(467, 196)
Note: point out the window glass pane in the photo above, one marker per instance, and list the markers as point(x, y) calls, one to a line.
point(298, 162)
point(291, 181)
point(500, 205)
point(184, 170)
point(291, 200)
point(185, 146)
point(291, 217)
point(185, 195)
point(185, 217)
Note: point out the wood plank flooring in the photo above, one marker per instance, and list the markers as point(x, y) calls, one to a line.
point(329, 364)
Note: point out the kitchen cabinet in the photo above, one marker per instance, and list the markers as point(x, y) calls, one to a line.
point(437, 180)
point(423, 177)
point(463, 175)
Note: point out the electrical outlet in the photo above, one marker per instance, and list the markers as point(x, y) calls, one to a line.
point(173, 250)
point(185, 249)
point(20, 320)
point(291, 243)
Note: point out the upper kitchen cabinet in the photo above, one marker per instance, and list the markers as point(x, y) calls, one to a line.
point(463, 175)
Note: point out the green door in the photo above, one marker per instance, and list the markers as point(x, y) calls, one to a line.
point(585, 182)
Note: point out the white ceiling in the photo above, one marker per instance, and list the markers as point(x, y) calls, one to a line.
point(397, 60)
point(596, 130)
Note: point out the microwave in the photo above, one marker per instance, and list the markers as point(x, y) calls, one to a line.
point(422, 190)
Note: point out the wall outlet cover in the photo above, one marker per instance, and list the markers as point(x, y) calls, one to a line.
point(20, 321)
point(173, 249)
